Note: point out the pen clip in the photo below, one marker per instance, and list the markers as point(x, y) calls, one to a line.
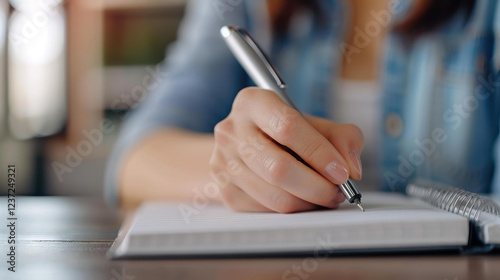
point(255, 47)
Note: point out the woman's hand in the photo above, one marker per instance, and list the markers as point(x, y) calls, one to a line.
point(265, 176)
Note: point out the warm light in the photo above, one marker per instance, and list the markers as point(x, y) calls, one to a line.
point(3, 29)
point(37, 78)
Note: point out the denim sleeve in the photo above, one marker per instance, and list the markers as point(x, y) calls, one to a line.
point(194, 88)
point(495, 79)
point(495, 85)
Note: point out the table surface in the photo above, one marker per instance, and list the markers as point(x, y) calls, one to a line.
point(67, 238)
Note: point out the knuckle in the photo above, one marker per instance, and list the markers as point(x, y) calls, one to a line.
point(285, 125)
point(247, 152)
point(224, 126)
point(277, 169)
point(223, 131)
point(243, 98)
point(253, 149)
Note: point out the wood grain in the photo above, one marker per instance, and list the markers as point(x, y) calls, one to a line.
point(67, 238)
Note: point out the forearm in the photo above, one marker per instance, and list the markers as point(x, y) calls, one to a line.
point(165, 166)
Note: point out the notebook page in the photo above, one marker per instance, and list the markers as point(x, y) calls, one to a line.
point(490, 228)
point(160, 217)
point(390, 220)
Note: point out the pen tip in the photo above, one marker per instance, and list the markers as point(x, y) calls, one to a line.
point(358, 202)
point(361, 207)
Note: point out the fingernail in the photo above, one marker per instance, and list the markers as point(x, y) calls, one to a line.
point(337, 172)
point(356, 161)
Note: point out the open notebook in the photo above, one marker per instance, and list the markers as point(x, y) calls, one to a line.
point(392, 222)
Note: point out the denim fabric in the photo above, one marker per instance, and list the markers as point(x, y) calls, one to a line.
point(440, 90)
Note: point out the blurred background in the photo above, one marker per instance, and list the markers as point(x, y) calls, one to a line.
point(70, 70)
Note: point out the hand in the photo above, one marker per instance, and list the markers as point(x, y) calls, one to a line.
point(270, 179)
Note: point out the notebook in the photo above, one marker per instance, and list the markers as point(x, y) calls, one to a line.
point(392, 222)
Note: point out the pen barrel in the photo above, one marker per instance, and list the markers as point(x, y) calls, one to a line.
point(256, 64)
point(281, 92)
point(350, 191)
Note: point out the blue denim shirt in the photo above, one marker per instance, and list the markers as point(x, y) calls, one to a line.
point(440, 112)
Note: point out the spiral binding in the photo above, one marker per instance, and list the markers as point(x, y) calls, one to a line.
point(458, 201)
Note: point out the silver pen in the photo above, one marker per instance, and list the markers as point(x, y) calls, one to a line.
point(265, 75)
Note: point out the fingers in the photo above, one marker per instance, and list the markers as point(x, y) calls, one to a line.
point(268, 178)
point(270, 196)
point(258, 194)
point(278, 168)
point(349, 145)
point(289, 128)
point(236, 199)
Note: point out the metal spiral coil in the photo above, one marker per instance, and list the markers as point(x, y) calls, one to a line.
point(458, 201)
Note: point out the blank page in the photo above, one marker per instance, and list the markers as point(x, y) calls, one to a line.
point(390, 221)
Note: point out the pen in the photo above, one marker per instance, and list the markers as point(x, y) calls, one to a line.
point(265, 75)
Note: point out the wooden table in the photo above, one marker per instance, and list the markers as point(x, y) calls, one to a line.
point(67, 238)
